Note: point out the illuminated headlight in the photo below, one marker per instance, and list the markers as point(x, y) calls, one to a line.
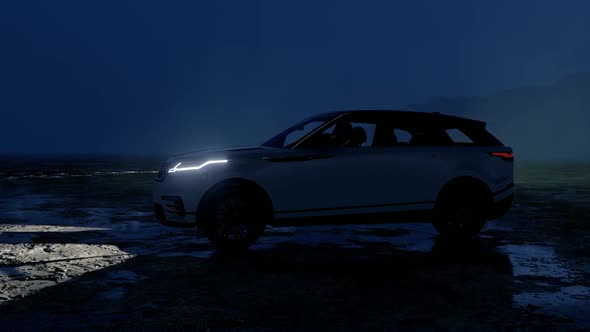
point(177, 168)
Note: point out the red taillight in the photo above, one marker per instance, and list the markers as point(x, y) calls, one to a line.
point(503, 155)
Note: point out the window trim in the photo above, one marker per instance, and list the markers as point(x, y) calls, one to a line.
point(327, 124)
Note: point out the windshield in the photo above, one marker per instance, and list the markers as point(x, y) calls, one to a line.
point(292, 135)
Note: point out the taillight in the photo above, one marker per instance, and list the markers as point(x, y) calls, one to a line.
point(508, 156)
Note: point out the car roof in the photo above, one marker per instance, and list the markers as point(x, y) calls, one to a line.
point(411, 116)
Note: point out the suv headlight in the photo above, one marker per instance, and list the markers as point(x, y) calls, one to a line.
point(180, 167)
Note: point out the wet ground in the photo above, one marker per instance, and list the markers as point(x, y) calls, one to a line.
point(82, 253)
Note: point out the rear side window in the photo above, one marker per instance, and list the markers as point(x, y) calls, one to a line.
point(402, 136)
point(469, 136)
point(458, 136)
point(473, 135)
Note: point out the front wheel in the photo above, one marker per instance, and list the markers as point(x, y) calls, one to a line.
point(233, 217)
point(461, 212)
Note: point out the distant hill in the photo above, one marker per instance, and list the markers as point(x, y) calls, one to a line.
point(539, 122)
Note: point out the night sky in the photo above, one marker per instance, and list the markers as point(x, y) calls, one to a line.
point(168, 76)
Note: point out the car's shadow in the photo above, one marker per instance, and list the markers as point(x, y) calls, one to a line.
point(466, 285)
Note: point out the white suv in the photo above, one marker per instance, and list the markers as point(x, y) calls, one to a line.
point(343, 167)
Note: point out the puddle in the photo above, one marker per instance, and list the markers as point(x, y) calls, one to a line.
point(536, 260)
point(11, 228)
point(411, 236)
point(571, 302)
point(114, 294)
point(29, 201)
point(197, 254)
point(124, 276)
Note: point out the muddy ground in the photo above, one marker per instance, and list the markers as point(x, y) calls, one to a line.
point(84, 254)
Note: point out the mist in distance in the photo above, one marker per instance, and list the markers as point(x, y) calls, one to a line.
point(161, 78)
point(546, 122)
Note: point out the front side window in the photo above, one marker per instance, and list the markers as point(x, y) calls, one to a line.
point(300, 132)
point(342, 134)
point(294, 134)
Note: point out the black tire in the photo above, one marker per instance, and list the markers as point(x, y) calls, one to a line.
point(233, 216)
point(461, 211)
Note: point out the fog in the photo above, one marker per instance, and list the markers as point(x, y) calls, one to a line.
point(545, 122)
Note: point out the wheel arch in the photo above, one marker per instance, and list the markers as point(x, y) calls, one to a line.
point(237, 182)
point(466, 181)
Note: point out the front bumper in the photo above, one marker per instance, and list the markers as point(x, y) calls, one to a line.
point(172, 219)
point(176, 198)
point(172, 210)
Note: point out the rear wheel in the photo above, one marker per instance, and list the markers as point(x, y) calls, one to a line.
point(461, 211)
point(233, 217)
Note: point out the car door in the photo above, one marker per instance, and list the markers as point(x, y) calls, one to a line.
point(410, 177)
point(325, 181)
point(303, 180)
point(419, 171)
point(385, 179)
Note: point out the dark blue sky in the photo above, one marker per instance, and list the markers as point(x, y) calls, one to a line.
point(167, 76)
